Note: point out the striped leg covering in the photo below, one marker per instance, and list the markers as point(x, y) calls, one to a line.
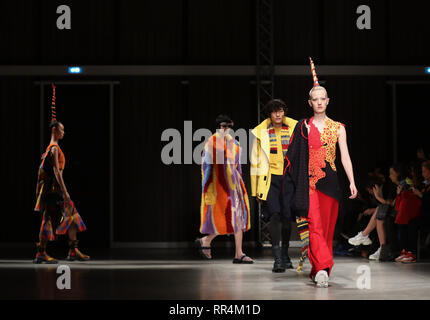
point(303, 228)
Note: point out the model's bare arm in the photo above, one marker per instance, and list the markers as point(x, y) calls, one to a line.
point(346, 161)
point(59, 174)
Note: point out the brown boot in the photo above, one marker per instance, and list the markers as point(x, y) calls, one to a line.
point(74, 253)
point(41, 255)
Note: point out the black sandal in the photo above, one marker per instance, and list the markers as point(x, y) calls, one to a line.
point(198, 242)
point(235, 260)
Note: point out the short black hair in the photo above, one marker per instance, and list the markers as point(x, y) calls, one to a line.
point(274, 105)
point(222, 118)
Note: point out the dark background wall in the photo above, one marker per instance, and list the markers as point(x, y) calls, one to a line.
point(159, 203)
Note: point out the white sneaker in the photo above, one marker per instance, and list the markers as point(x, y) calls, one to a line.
point(359, 239)
point(376, 255)
point(321, 279)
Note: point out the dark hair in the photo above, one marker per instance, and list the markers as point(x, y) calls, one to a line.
point(274, 105)
point(400, 170)
point(371, 181)
point(426, 164)
point(414, 172)
point(54, 124)
point(222, 118)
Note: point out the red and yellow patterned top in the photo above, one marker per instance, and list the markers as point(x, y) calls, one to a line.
point(322, 148)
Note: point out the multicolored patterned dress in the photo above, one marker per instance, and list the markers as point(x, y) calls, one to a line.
point(58, 215)
point(224, 204)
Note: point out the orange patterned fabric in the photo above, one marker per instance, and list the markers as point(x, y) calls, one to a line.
point(322, 148)
point(316, 164)
point(329, 140)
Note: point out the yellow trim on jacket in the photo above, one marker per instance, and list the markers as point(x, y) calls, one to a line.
point(260, 157)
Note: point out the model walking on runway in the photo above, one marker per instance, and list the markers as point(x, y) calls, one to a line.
point(224, 204)
point(270, 186)
point(312, 155)
point(53, 200)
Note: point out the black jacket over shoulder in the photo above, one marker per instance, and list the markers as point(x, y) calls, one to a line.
point(298, 168)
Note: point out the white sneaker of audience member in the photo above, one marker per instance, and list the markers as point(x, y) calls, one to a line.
point(360, 239)
point(376, 255)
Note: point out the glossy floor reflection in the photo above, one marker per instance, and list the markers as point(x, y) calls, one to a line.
point(179, 274)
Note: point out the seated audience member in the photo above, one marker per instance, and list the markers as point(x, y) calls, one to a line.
point(408, 207)
point(383, 217)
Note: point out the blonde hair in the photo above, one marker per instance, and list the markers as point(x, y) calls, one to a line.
point(315, 89)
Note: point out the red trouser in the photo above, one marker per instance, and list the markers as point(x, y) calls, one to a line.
point(322, 218)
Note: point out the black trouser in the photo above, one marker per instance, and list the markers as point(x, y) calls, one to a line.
point(408, 235)
point(277, 209)
point(279, 228)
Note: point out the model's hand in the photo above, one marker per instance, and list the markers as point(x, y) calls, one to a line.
point(353, 191)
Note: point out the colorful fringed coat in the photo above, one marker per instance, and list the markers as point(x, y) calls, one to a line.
point(224, 203)
point(58, 215)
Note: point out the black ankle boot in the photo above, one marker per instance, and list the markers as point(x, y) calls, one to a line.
point(285, 259)
point(386, 253)
point(74, 253)
point(277, 266)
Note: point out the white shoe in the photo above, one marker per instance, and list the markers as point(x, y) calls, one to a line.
point(359, 239)
point(321, 279)
point(376, 255)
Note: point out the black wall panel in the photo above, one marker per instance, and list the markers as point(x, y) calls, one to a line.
point(19, 161)
point(221, 32)
point(19, 32)
point(151, 32)
point(148, 195)
point(409, 33)
point(91, 39)
point(297, 31)
point(344, 43)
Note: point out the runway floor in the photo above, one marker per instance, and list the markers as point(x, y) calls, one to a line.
point(180, 275)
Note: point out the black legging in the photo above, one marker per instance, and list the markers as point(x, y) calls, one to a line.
point(279, 228)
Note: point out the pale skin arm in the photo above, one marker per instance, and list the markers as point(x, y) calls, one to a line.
point(59, 174)
point(346, 161)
